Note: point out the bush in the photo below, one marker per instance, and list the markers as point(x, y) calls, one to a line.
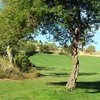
point(47, 48)
point(30, 50)
point(90, 49)
point(27, 48)
point(3, 62)
point(9, 71)
point(65, 51)
point(2, 51)
point(61, 53)
point(12, 72)
point(32, 73)
point(22, 62)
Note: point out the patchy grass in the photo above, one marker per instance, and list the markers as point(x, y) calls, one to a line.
point(55, 71)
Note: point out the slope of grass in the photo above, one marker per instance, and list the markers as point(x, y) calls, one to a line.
point(55, 71)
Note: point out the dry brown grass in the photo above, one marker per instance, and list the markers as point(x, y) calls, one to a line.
point(9, 71)
point(96, 54)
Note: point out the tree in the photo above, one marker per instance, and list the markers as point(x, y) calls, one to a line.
point(71, 20)
point(16, 23)
point(65, 50)
point(90, 49)
point(47, 47)
point(67, 20)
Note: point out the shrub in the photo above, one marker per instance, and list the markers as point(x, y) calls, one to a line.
point(9, 71)
point(61, 53)
point(90, 49)
point(4, 63)
point(12, 72)
point(22, 62)
point(32, 73)
point(47, 48)
point(65, 51)
point(2, 51)
point(30, 50)
point(27, 48)
point(21, 53)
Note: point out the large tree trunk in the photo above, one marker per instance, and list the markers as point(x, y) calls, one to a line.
point(71, 84)
point(75, 69)
point(75, 62)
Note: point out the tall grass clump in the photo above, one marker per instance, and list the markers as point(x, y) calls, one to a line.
point(13, 72)
point(9, 71)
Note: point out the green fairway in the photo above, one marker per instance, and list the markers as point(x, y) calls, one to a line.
point(55, 71)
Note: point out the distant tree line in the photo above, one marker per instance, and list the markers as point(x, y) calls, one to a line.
point(90, 49)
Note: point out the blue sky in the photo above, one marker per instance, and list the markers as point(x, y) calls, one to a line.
point(96, 39)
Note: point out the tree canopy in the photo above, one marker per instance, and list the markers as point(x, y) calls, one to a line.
point(67, 15)
point(60, 18)
point(16, 21)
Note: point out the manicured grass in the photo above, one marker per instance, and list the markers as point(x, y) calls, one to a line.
point(55, 71)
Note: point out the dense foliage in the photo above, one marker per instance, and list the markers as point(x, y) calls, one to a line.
point(15, 22)
point(47, 47)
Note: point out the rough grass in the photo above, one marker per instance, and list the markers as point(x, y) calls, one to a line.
point(9, 71)
point(55, 71)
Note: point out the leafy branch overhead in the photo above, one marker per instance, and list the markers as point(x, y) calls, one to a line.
point(60, 18)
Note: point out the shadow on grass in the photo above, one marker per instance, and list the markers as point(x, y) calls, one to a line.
point(54, 74)
point(59, 74)
point(82, 85)
point(87, 74)
point(44, 68)
point(65, 74)
point(52, 69)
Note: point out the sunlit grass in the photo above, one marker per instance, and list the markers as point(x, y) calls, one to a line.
point(55, 71)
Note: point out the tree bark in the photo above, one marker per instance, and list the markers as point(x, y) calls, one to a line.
point(74, 46)
point(9, 53)
point(71, 84)
point(75, 69)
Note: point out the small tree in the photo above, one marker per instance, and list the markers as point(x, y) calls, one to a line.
point(90, 49)
point(65, 50)
point(47, 47)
